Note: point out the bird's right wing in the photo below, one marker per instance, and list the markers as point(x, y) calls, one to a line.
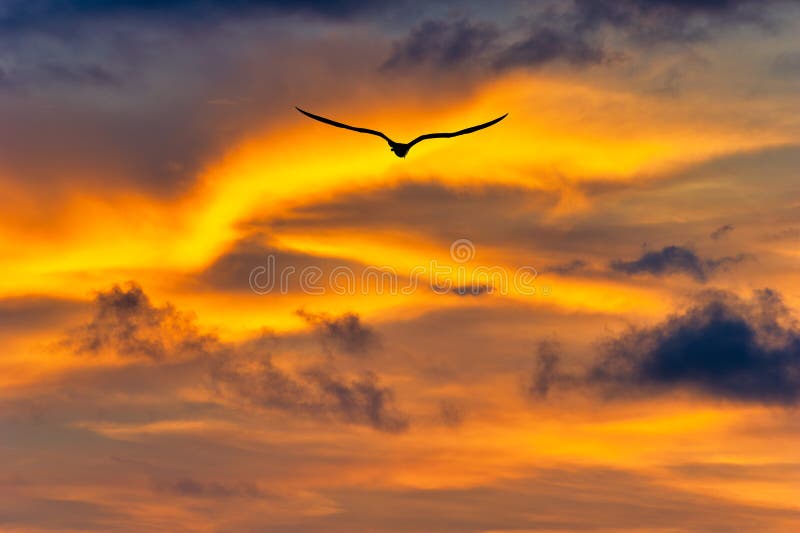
point(457, 133)
point(345, 126)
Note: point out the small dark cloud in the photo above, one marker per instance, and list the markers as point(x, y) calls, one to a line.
point(345, 333)
point(724, 347)
point(450, 413)
point(670, 260)
point(361, 401)
point(547, 371)
point(478, 289)
point(675, 260)
point(565, 269)
point(125, 322)
point(724, 263)
point(192, 488)
point(721, 232)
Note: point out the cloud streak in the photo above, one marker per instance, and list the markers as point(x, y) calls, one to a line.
point(721, 232)
point(675, 260)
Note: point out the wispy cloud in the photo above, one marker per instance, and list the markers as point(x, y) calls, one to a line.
point(675, 260)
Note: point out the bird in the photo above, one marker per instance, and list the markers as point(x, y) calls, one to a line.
point(401, 149)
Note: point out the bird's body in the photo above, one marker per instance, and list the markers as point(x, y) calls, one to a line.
point(401, 149)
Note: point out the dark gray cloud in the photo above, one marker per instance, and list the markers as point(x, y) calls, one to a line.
point(675, 260)
point(193, 488)
point(724, 263)
point(442, 43)
point(477, 289)
point(127, 323)
point(565, 269)
point(654, 21)
point(316, 391)
point(723, 346)
point(571, 33)
point(447, 44)
point(361, 400)
point(168, 343)
point(721, 232)
point(547, 372)
point(344, 334)
point(545, 45)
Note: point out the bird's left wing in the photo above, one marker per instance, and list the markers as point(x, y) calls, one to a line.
point(456, 133)
point(345, 126)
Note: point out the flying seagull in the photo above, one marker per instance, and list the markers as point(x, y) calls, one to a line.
point(401, 149)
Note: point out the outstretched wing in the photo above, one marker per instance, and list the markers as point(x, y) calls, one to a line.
point(456, 133)
point(345, 126)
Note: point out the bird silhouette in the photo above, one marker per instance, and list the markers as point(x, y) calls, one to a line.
point(401, 149)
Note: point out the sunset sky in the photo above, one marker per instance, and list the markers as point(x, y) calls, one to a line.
point(154, 173)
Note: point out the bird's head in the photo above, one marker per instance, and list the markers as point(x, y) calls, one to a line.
point(399, 149)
